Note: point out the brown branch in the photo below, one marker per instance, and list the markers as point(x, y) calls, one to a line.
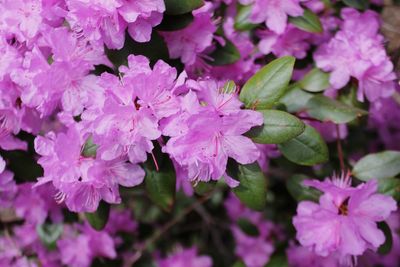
point(157, 234)
point(339, 148)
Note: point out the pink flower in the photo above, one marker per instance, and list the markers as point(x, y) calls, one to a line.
point(21, 18)
point(185, 257)
point(239, 71)
point(153, 88)
point(8, 188)
point(344, 221)
point(36, 204)
point(274, 12)
point(81, 244)
point(299, 256)
point(357, 51)
point(66, 80)
point(10, 255)
point(106, 21)
point(255, 251)
point(191, 41)
point(292, 42)
point(142, 16)
point(82, 181)
point(384, 115)
point(120, 221)
point(392, 258)
point(209, 132)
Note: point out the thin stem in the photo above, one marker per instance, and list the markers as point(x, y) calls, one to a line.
point(157, 234)
point(339, 148)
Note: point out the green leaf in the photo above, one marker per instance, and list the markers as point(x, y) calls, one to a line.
point(315, 81)
point(99, 218)
point(49, 234)
point(224, 55)
point(359, 4)
point(278, 127)
point(239, 264)
point(175, 22)
point(386, 247)
point(268, 85)
point(390, 187)
point(307, 149)
point(89, 149)
point(160, 187)
point(242, 22)
point(247, 227)
point(326, 109)
point(178, 7)
point(377, 166)
point(299, 191)
point(252, 190)
point(154, 50)
point(203, 188)
point(295, 100)
point(229, 87)
point(278, 260)
point(308, 22)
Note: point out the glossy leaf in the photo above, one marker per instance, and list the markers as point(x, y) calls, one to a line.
point(308, 149)
point(326, 109)
point(247, 227)
point(252, 189)
point(239, 264)
point(390, 187)
point(377, 166)
point(203, 188)
point(315, 81)
point(160, 186)
point(299, 191)
point(49, 234)
point(229, 87)
point(175, 22)
point(278, 260)
point(268, 85)
point(359, 4)
point(224, 55)
point(295, 100)
point(308, 22)
point(242, 22)
point(99, 218)
point(89, 149)
point(178, 7)
point(278, 127)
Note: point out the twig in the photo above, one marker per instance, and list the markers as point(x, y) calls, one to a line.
point(157, 234)
point(339, 148)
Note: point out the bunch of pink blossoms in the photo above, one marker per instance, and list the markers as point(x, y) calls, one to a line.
point(345, 220)
point(357, 51)
point(98, 124)
point(255, 250)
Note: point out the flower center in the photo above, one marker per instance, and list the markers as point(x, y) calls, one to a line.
point(343, 208)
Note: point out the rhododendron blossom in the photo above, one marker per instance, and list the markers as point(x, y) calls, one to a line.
point(357, 51)
point(345, 219)
point(274, 12)
point(210, 133)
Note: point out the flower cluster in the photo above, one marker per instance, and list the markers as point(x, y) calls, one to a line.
point(345, 220)
point(180, 112)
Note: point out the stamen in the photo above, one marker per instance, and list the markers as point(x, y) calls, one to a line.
point(343, 208)
point(155, 161)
